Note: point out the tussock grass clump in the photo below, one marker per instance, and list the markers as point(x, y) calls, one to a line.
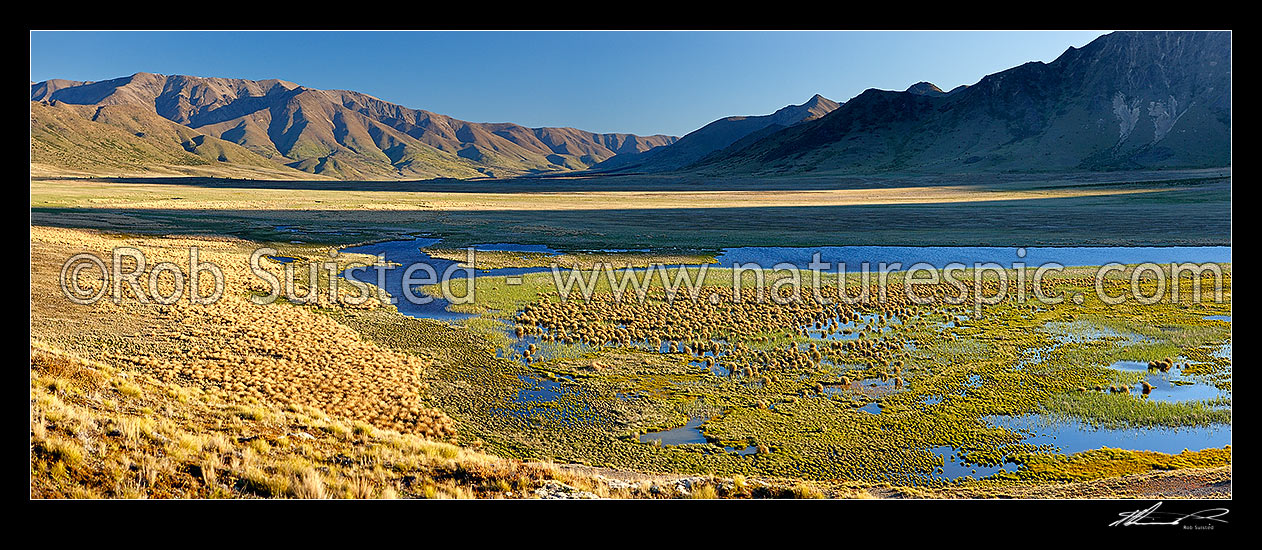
point(1163, 365)
point(805, 491)
point(167, 443)
point(705, 491)
point(62, 449)
point(307, 484)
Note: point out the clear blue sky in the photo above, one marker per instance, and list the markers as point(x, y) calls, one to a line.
point(637, 82)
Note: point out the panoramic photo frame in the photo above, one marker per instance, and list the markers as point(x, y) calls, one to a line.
point(718, 265)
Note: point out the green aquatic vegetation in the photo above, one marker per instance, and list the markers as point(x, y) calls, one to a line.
point(629, 368)
point(497, 259)
point(1104, 463)
point(1123, 410)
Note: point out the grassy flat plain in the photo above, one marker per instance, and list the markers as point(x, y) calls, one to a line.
point(190, 401)
point(1125, 209)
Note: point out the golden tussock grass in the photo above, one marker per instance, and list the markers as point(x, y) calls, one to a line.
point(233, 350)
point(155, 446)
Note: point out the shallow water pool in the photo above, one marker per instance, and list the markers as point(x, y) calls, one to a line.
point(1071, 436)
point(688, 433)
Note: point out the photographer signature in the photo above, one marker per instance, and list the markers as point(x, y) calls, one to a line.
point(1151, 516)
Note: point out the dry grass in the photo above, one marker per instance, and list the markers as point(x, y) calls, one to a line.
point(174, 441)
point(233, 350)
point(132, 195)
point(236, 400)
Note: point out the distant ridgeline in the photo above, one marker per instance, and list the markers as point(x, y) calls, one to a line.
point(148, 119)
point(1128, 100)
point(1125, 101)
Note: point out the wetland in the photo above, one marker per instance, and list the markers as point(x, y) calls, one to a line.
point(851, 386)
point(881, 392)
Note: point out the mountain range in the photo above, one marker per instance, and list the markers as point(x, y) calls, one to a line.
point(717, 135)
point(336, 133)
point(1127, 100)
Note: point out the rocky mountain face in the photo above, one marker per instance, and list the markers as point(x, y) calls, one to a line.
point(123, 139)
point(1127, 100)
point(346, 134)
point(716, 136)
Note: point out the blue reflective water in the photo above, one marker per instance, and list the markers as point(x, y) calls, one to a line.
point(1172, 385)
point(407, 253)
point(1224, 352)
point(688, 433)
point(973, 381)
point(538, 390)
point(953, 467)
point(940, 256)
point(713, 366)
point(1073, 436)
point(1085, 331)
point(835, 328)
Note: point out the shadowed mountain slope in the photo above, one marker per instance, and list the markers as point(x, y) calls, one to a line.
point(717, 135)
point(1125, 101)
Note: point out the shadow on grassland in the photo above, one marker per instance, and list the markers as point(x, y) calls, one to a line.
point(1179, 217)
point(697, 182)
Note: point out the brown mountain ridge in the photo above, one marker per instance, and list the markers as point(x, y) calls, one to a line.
point(335, 133)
